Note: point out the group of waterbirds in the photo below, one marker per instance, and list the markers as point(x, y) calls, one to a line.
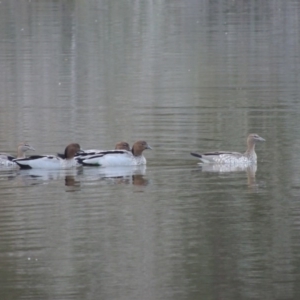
point(74, 156)
point(122, 155)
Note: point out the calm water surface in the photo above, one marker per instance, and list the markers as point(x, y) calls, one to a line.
point(184, 76)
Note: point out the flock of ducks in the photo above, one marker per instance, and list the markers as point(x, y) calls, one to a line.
point(122, 155)
point(74, 156)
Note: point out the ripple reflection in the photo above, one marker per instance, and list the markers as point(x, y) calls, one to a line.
point(116, 175)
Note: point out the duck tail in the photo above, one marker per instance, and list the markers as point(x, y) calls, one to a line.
point(196, 154)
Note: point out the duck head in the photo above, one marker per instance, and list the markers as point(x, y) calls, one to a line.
point(22, 148)
point(138, 148)
point(122, 146)
point(71, 150)
point(254, 138)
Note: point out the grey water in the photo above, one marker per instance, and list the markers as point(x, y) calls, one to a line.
point(184, 76)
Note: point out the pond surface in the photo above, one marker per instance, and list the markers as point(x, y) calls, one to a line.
point(185, 76)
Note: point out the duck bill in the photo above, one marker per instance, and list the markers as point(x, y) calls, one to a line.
point(261, 139)
point(148, 147)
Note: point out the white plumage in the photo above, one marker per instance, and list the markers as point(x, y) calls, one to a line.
point(117, 157)
point(227, 157)
point(51, 161)
point(7, 159)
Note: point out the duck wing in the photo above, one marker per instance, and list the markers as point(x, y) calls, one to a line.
point(107, 158)
point(5, 156)
point(38, 162)
point(217, 156)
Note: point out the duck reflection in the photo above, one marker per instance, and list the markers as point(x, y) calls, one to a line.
point(92, 176)
point(223, 168)
point(139, 180)
point(72, 184)
point(40, 176)
point(117, 175)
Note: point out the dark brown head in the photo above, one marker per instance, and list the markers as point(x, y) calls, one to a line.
point(71, 150)
point(138, 148)
point(122, 146)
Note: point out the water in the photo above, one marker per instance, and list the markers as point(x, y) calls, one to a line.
point(184, 76)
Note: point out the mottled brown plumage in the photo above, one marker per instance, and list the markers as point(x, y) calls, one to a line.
point(227, 157)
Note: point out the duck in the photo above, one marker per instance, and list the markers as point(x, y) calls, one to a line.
point(7, 159)
point(227, 157)
point(119, 157)
point(51, 161)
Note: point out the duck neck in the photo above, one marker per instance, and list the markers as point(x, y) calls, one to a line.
point(71, 151)
point(20, 153)
point(69, 155)
point(132, 151)
point(66, 154)
point(136, 151)
point(250, 152)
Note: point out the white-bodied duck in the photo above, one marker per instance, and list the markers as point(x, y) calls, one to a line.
point(226, 157)
point(51, 161)
point(7, 159)
point(120, 157)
